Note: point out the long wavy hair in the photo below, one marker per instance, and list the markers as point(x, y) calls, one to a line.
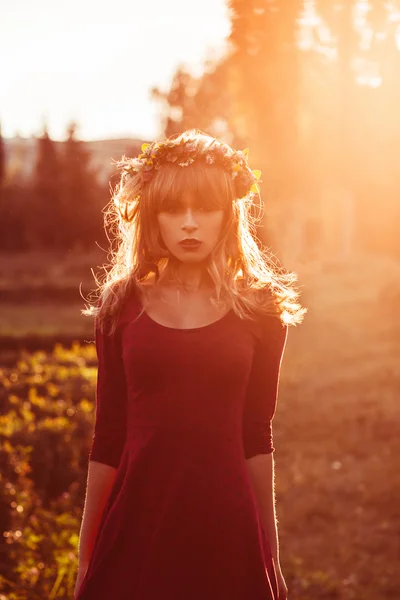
point(246, 275)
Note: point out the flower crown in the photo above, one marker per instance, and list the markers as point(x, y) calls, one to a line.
point(184, 153)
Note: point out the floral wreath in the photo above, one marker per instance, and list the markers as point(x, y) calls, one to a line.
point(184, 153)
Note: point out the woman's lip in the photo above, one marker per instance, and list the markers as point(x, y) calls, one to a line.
point(190, 242)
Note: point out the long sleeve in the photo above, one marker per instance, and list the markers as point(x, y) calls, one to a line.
point(110, 423)
point(262, 390)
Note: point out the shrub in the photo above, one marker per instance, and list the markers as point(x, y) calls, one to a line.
point(46, 424)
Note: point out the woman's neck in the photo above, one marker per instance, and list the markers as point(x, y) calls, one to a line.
point(191, 277)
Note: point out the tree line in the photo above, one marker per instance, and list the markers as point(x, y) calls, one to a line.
point(58, 206)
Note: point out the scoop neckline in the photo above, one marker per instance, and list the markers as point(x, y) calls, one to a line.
point(188, 329)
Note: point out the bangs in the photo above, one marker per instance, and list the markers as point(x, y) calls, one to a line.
point(211, 185)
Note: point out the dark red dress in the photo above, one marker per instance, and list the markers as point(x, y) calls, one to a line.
point(178, 412)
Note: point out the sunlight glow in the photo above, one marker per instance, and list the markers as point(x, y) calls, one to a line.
point(100, 70)
point(366, 80)
point(367, 35)
point(91, 62)
point(324, 35)
point(394, 12)
point(309, 17)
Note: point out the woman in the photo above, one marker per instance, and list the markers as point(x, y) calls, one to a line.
point(190, 331)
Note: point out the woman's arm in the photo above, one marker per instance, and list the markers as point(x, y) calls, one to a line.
point(100, 480)
point(259, 410)
point(262, 474)
point(108, 438)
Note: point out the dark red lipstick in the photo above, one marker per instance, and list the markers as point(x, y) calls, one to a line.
point(190, 244)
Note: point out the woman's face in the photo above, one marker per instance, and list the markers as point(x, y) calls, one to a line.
point(190, 229)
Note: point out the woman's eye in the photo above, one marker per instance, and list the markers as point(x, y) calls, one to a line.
point(205, 208)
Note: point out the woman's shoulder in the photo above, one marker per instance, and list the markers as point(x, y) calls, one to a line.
point(131, 304)
point(260, 302)
point(116, 305)
point(266, 322)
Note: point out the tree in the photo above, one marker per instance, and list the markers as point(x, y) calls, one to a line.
point(265, 69)
point(80, 193)
point(204, 103)
point(45, 209)
point(2, 160)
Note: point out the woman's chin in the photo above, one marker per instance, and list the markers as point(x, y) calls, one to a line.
point(190, 257)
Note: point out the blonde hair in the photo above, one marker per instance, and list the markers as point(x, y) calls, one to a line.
point(245, 274)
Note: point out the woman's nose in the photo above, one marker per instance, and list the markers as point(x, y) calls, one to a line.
point(189, 222)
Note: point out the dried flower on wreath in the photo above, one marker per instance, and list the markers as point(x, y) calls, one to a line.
point(184, 153)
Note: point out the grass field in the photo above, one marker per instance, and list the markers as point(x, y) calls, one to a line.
point(336, 430)
point(41, 295)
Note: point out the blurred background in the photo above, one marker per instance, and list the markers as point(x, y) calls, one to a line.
point(312, 88)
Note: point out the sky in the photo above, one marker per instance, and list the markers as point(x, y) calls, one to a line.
point(95, 61)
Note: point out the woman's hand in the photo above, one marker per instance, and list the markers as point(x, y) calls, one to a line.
point(81, 574)
point(282, 587)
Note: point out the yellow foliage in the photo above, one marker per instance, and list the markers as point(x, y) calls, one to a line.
point(86, 406)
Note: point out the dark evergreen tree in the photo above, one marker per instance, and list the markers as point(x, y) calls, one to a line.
point(2, 160)
point(13, 202)
point(45, 222)
point(81, 194)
